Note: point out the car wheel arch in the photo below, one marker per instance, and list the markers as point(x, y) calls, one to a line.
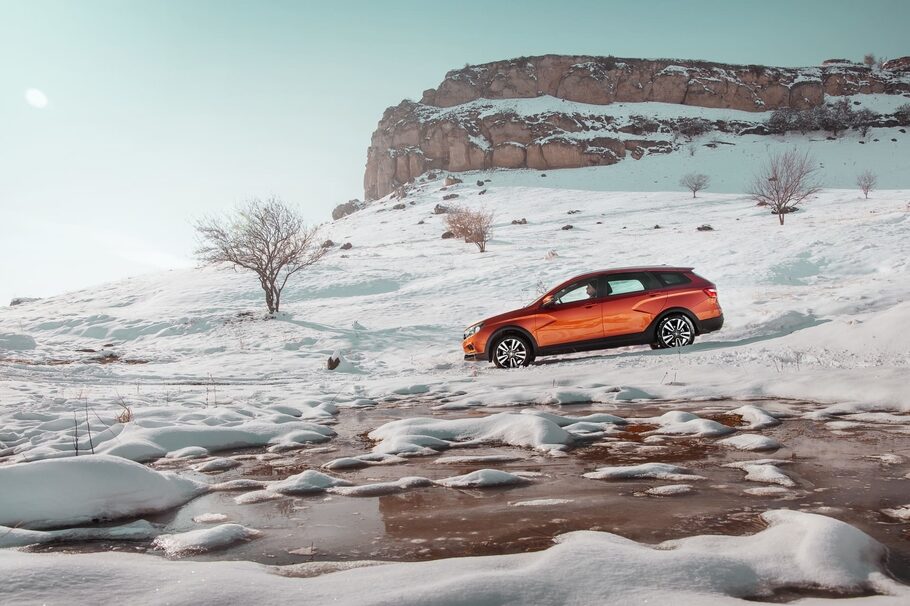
point(652, 329)
point(507, 330)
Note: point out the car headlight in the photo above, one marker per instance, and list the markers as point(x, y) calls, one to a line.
point(472, 330)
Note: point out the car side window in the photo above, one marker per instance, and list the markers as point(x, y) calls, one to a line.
point(620, 284)
point(673, 278)
point(579, 291)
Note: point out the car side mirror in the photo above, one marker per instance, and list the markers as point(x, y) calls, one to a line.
point(547, 302)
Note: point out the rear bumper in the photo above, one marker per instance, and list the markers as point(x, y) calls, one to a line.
point(711, 324)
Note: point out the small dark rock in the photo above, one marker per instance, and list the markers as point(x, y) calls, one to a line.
point(431, 176)
point(573, 212)
point(440, 209)
point(328, 244)
point(600, 223)
point(521, 221)
point(568, 227)
point(399, 206)
point(450, 196)
point(333, 362)
point(894, 140)
point(543, 174)
point(657, 227)
point(347, 246)
point(876, 140)
point(705, 227)
point(487, 180)
point(448, 235)
point(481, 192)
point(479, 182)
point(862, 142)
point(450, 180)
point(421, 222)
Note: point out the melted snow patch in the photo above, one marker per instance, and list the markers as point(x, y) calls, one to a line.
point(217, 465)
point(656, 471)
point(20, 537)
point(765, 471)
point(680, 423)
point(755, 417)
point(900, 513)
point(541, 502)
point(210, 518)
point(308, 482)
point(77, 490)
point(669, 490)
point(204, 539)
point(751, 442)
point(381, 488)
point(483, 478)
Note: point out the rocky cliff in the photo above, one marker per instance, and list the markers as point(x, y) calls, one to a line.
point(558, 111)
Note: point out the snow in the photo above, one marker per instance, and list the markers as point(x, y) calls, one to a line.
point(761, 471)
point(796, 550)
point(204, 539)
point(541, 502)
point(656, 471)
point(678, 423)
point(751, 442)
point(217, 465)
point(20, 537)
point(669, 490)
point(483, 478)
point(381, 488)
point(65, 492)
point(899, 513)
point(210, 518)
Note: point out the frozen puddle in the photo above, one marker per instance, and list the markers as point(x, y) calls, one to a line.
point(425, 501)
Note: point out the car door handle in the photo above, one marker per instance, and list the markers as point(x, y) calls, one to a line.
point(589, 306)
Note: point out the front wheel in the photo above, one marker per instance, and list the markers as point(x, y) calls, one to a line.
point(676, 330)
point(512, 351)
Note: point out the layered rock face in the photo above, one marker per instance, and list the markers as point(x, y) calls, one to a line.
point(558, 111)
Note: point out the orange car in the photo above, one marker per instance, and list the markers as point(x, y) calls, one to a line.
point(661, 306)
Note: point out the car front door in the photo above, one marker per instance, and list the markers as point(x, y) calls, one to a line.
point(572, 315)
point(631, 302)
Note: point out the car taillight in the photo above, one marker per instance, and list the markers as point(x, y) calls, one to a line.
point(711, 292)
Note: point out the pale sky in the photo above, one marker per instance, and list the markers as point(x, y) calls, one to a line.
point(122, 121)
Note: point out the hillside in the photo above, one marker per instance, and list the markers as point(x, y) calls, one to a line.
point(556, 112)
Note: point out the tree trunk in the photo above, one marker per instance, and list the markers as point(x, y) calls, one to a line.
point(780, 216)
point(693, 194)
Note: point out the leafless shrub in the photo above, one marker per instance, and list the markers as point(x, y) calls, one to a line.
point(126, 413)
point(784, 182)
point(266, 237)
point(869, 60)
point(695, 182)
point(866, 181)
point(474, 226)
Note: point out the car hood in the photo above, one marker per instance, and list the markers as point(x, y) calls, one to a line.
point(515, 313)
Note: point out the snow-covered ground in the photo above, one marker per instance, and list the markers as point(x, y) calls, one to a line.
point(184, 364)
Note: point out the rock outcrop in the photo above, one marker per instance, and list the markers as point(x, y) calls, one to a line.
point(579, 111)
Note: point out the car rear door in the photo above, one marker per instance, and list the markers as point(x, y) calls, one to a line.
point(631, 302)
point(573, 316)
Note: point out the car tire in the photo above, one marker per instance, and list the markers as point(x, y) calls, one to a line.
point(512, 351)
point(676, 330)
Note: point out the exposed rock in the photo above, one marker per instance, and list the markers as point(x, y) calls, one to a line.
point(347, 246)
point(447, 235)
point(23, 300)
point(521, 221)
point(328, 244)
point(428, 136)
point(450, 196)
point(480, 183)
point(705, 227)
point(567, 227)
point(343, 210)
point(481, 192)
point(399, 206)
point(440, 209)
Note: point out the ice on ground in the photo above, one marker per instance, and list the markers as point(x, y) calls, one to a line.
point(468, 459)
point(189, 452)
point(257, 496)
point(307, 482)
point(483, 478)
point(680, 423)
point(751, 442)
point(76, 490)
point(767, 491)
point(755, 417)
point(425, 436)
point(541, 502)
point(217, 465)
point(899, 513)
point(204, 539)
point(796, 550)
point(656, 471)
point(888, 458)
point(765, 472)
point(381, 488)
point(210, 518)
point(669, 490)
point(364, 460)
point(20, 537)
point(239, 484)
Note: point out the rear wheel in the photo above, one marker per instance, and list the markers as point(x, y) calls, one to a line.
point(676, 330)
point(512, 351)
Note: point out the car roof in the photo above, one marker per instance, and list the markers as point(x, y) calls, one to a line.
point(622, 270)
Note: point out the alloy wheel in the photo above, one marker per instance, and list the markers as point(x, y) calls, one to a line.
point(677, 331)
point(511, 353)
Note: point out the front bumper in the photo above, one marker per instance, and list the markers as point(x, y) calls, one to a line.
point(475, 357)
point(711, 324)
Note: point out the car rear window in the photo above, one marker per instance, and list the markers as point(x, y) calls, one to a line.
point(672, 278)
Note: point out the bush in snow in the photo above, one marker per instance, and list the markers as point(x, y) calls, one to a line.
point(869, 60)
point(863, 120)
point(266, 237)
point(835, 117)
point(692, 127)
point(784, 182)
point(903, 114)
point(695, 182)
point(474, 226)
point(866, 181)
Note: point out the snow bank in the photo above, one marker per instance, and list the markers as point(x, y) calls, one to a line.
point(204, 539)
point(669, 490)
point(656, 471)
point(381, 488)
point(20, 537)
point(751, 442)
point(310, 481)
point(77, 490)
point(679, 423)
point(796, 550)
point(763, 471)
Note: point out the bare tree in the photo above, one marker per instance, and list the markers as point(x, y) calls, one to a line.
point(785, 181)
point(474, 226)
point(695, 182)
point(866, 181)
point(266, 237)
point(869, 60)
